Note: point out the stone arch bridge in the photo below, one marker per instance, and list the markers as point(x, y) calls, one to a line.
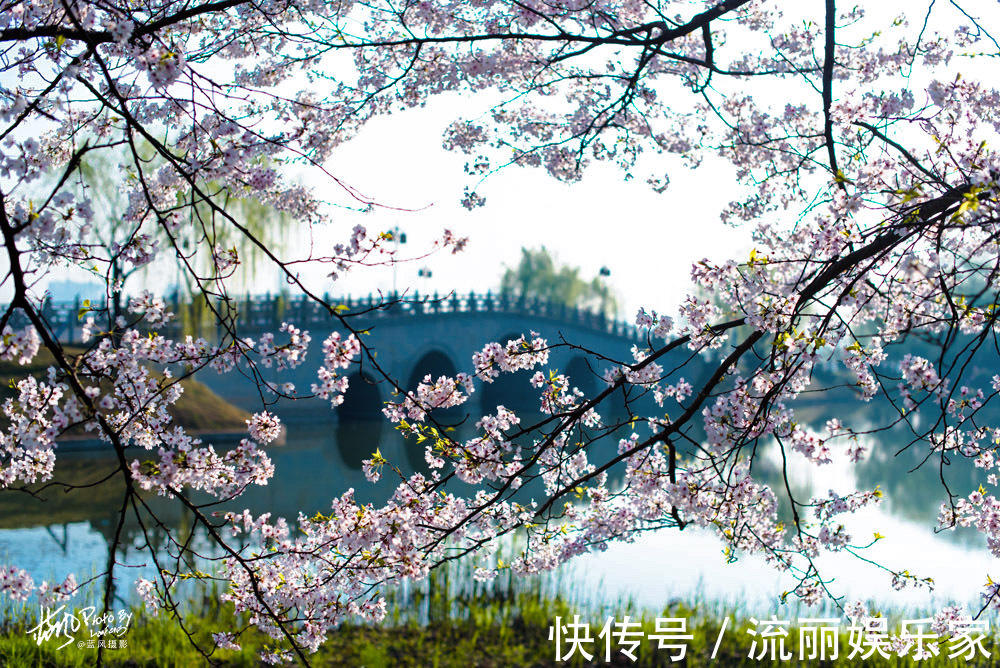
point(413, 336)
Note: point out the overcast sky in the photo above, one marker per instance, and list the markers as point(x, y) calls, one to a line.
point(647, 240)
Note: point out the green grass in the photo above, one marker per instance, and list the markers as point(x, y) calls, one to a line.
point(199, 409)
point(446, 622)
point(514, 640)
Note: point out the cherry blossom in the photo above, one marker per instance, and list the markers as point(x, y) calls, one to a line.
point(860, 159)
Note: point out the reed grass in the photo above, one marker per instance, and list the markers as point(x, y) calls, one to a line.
point(449, 620)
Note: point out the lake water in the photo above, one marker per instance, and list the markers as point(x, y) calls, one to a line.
point(70, 532)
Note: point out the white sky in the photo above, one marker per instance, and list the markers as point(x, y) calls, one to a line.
point(648, 241)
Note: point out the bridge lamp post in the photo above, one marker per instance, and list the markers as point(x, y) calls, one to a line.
point(604, 273)
point(424, 272)
point(398, 237)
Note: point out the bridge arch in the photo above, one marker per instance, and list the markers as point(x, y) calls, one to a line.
point(363, 399)
point(511, 390)
point(360, 419)
point(583, 376)
point(436, 362)
point(356, 440)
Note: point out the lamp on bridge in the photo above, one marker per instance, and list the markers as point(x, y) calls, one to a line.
point(604, 273)
point(424, 272)
point(398, 237)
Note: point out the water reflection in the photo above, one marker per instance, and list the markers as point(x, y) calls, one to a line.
point(60, 531)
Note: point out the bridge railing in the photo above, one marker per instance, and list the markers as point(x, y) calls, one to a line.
point(266, 312)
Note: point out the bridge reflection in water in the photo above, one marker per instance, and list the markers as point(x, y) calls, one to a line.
point(72, 531)
point(325, 447)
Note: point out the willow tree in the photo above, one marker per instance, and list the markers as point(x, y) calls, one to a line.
point(102, 180)
point(537, 276)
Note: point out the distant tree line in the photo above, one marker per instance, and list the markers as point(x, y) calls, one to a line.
point(539, 276)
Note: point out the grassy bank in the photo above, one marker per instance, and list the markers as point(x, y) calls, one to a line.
point(515, 640)
point(198, 409)
point(445, 623)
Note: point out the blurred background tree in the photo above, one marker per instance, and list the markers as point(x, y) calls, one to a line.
point(539, 276)
point(107, 178)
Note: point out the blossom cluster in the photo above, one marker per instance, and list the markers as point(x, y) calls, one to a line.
point(890, 181)
point(19, 586)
